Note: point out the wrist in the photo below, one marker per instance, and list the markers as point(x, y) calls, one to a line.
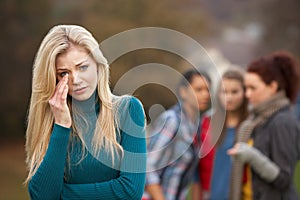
point(244, 152)
point(64, 124)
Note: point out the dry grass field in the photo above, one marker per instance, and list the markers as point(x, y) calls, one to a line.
point(13, 172)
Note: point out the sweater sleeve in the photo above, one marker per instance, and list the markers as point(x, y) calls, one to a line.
point(131, 181)
point(47, 182)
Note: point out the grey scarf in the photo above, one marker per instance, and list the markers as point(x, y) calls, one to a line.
point(258, 115)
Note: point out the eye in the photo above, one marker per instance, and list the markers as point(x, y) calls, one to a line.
point(83, 67)
point(62, 74)
point(234, 91)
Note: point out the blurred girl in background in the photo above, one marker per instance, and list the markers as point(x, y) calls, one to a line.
point(267, 147)
point(215, 165)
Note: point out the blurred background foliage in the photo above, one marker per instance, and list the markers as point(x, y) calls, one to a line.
point(239, 30)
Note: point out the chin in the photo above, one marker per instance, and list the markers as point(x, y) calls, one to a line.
point(81, 97)
point(231, 108)
point(203, 106)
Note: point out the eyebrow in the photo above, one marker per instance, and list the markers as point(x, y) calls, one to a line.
point(81, 62)
point(78, 64)
point(61, 69)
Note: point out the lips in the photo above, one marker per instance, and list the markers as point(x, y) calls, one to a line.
point(205, 102)
point(79, 90)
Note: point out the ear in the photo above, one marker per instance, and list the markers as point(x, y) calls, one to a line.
point(274, 87)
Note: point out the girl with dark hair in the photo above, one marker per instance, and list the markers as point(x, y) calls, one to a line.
point(215, 165)
point(171, 160)
point(267, 147)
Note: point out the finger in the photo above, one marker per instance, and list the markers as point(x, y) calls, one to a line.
point(58, 85)
point(61, 88)
point(58, 89)
point(231, 151)
point(65, 93)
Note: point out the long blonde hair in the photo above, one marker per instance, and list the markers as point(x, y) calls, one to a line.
point(40, 119)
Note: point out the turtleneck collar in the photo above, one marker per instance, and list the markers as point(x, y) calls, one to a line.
point(89, 106)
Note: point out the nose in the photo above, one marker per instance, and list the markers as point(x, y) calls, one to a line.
point(228, 96)
point(207, 94)
point(75, 78)
point(248, 93)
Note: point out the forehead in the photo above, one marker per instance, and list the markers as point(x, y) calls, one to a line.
point(251, 76)
point(199, 80)
point(253, 79)
point(232, 83)
point(73, 55)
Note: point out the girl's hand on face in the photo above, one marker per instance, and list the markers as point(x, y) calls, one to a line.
point(58, 104)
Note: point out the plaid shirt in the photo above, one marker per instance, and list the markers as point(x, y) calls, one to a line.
point(172, 154)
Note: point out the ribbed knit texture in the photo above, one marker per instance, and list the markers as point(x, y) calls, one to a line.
point(47, 182)
point(90, 177)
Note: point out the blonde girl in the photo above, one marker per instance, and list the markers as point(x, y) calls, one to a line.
point(82, 142)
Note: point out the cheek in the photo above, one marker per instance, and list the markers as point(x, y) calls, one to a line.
point(233, 102)
point(238, 100)
point(70, 86)
point(222, 99)
point(95, 78)
point(251, 93)
point(259, 94)
point(92, 77)
point(203, 94)
point(263, 95)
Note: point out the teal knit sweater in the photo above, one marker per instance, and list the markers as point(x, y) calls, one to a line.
point(86, 176)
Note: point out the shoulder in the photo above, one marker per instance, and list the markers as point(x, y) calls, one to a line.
point(172, 115)
point(206, 117)
point(127, 102)
point(205, 122)
point(284, 124)
point(129, 107)
point(284, 117)
point(209, 113)
point(167, 121)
